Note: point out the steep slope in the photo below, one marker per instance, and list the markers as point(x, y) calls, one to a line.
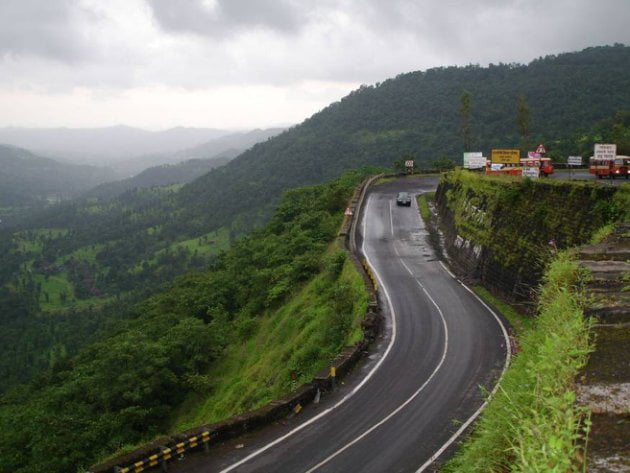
point(26, 178)
point(416, 114)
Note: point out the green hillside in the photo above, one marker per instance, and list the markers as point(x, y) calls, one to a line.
point(417, 115)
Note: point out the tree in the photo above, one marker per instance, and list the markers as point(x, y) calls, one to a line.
point(464, 111)
point(523, 121)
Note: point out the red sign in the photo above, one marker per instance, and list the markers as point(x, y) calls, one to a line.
point(541, 149)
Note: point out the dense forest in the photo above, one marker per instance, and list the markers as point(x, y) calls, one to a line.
point(123, 387)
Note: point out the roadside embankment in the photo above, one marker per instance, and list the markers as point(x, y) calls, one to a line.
point(504, 232)
point(514, 238)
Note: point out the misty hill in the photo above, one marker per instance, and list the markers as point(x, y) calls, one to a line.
point(416, 114)
point(226, 146)
point(163, 175)
point(103, 145)
point(26, 178)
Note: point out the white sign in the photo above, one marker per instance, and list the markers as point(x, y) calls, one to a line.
point(574, 160)
point(496, 166)
point(533, 154)
point(540, 149)
point(474, 160)
point(605, 151)
point(531, 172)
point(409, 163)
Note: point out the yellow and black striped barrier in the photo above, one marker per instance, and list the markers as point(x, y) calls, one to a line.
point(166, 454)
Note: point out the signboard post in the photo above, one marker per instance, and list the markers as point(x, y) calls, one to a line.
point(506, 156)
point(573, 161)
point(409, 165)
point(474, 160)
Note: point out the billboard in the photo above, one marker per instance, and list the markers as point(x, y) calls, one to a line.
point(605, 151)
point(505, 156)
point(474, 160)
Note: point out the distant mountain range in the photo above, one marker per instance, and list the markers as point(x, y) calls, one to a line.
point(105, 145)
point(226, 146)
point(26, 178)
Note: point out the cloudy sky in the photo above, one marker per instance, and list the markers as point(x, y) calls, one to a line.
point(258, 63)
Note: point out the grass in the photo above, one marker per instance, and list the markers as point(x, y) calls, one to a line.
point(423, 205)
point(532, 424)
point(287, 348)
point(520, 322)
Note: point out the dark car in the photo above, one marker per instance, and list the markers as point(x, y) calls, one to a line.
point(403, 198)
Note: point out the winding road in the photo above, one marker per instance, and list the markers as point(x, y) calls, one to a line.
point(405, 406)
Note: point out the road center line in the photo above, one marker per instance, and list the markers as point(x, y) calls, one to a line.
point(420, 389)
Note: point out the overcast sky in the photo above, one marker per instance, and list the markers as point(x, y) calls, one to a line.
point(258, 63)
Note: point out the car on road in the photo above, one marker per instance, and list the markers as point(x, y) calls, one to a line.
point(403, 198)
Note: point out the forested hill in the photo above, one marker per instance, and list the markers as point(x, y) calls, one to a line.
point(26, 178)
point(417, 114)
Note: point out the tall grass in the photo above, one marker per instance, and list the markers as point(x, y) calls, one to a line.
point(532, 424)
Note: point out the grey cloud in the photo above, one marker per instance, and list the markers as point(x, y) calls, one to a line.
point(40, 28)
point(225, 17)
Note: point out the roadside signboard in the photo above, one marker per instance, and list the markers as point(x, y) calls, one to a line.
point(574, 160)
point(531, 172)
point(474, 160)
point(533, 154)
point(540, 149)
point(605, 151)
point(408, 163)
point(505, 156)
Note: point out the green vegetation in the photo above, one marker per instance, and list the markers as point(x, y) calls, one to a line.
point(532, 423)
point(423, 205)
point(287, 347)
point(381, 124)
point(520, 322)
point(125, 383)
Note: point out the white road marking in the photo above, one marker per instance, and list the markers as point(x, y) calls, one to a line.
point(356, 389)
point(472, 418)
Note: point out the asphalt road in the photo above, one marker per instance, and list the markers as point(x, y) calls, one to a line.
point(409, 399)
point(583, 175)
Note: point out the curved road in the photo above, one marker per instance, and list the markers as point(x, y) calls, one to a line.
point(399, 409)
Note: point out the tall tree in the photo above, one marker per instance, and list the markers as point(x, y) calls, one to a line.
point(523, 121)
point(464, 111)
